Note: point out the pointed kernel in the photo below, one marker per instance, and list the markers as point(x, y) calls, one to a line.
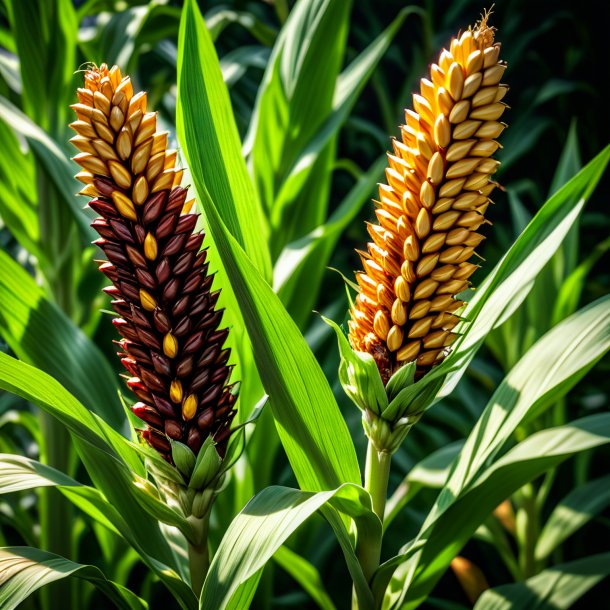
point(189, 407)
point(150, 247)
point(120, 174)
point(175, 391)
point(140, 190)
point(170, 345)
point(394, 339)
point(124, 205)
point(147, 300)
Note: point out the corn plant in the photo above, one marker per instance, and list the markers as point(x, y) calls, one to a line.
point(176, 478)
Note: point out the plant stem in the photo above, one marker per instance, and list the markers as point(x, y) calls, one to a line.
point(199, 554)
point(529, 531)
point(376, 477)
point(55, 510)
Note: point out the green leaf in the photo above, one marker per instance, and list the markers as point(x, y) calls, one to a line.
point(303, 186)
point(554, 365)
point(431, 472)
point(19, 473)
point(306, 575)
point(207, 130)
point(263, 526)
point(45, 33)
point(220, 17)
point(545, 374)
point(556, 588)
point(359, 375)
point(294, 98)
point(573, 512)
point(54, 161)
point(25, 570)
point(299, 270)
point(17, 193)
point(309, 423)
point(443, 538)
point(42, 335)
point(112, 463)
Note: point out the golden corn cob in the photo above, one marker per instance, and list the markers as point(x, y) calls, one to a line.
point(430, 210)
point(172, 345)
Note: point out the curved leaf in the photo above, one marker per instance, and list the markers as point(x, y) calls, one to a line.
point(306, 575)
point(575, 510)
point(42, 335)
point(208, 132)
point(556, 588)
point(112, 463)
point(438, 543)
point(24, 570)
point(264, 525)
point(309, 423)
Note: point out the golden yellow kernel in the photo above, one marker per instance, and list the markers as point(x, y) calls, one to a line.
point(140, 157)
point(399, 312)
point(150, 247)
point(124, 205)
point(394, 338)
point(120, 174)
point(123, 144)
point(436, 168)
point(147, 127)
point(170, 345)
point(147, 300)
point(381, 325)
point(459, 112)
point(117, 118)
point(140, 190)
point(409, 351)
point(92, 163)
point(175, 391)
point(89, 191)
point(189, 407)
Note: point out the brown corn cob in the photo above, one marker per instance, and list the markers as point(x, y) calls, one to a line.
point(439, 182)
point(171, 345)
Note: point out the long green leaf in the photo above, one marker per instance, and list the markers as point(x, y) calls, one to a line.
point(53, 159)
point(17, 195)
point(557, 588)
point(443, 539)
point(309, 423)
point(306, 575)
point(298, 272)
point(42, 335)
point(294, 98)
point(263, 526)
point(24, 570)
point(112, 463)
point(45, 33)
point(19, 473)
point(573, 512)
point(207, 129)
point(546, 372)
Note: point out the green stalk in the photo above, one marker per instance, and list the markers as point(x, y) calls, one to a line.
point(376, 478)
point(55, 511)
point(198, 553)
point(528, 529)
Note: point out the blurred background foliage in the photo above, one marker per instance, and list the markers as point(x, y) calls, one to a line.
point(557, 55)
